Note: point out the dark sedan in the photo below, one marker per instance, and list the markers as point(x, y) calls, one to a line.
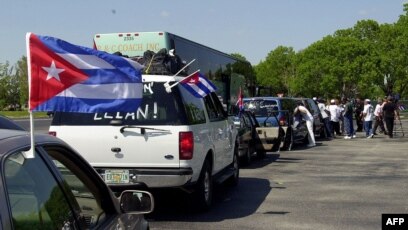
point(6, 123)
point(57, 189)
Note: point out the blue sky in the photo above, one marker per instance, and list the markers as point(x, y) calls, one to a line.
point(251, 28)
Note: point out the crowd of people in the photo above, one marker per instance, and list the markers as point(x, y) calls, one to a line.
point(338, 117)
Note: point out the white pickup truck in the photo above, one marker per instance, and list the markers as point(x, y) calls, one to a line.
point(173, 140)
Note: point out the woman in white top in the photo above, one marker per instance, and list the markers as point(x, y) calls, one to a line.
point(307, 116)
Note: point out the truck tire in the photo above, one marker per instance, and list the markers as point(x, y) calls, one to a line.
point(234, 179)
point(288, 141)
point(204, 188)
point(246, 159)
point(261, 154)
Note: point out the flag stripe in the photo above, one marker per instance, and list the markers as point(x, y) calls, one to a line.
point(203, 88)
point(61, 47)
point(101, 76)
point(207, 84)
point(86, 61)
point(198, 91)
point(86, 105)
point(105, 91)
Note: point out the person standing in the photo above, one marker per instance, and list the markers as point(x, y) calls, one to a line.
point(341, 107)
point(368, 115)
point(390, 113)
point(358, 112)
point(307, 116)
point(325, 116)
point(348, 119)
point(334, 117)
point(378, 118)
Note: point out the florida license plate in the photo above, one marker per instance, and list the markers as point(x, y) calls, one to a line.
point(117, 176)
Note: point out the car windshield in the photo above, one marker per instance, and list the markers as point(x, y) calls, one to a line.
point(261, 108)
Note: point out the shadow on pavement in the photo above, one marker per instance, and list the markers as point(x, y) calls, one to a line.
point(259, 163)
point(228, 203)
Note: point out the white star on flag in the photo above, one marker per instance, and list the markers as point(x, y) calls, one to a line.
point(53, 71)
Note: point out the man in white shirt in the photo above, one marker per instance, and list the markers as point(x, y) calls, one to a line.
point(368, 114)
point(325, 116)
point(307, 116)
point(335, 113)
point(378, 119)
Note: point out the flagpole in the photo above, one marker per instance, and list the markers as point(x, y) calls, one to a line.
point(30, 152)
point(167, 84)
point(184, 67)
point(168, 87)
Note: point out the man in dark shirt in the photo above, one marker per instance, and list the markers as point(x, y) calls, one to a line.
point(390, 112)
point(358, 112)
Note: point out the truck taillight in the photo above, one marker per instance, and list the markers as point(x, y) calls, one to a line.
point(186, 145)
point(282, 120)
point(52, 133)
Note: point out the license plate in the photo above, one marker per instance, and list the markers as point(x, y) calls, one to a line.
point(117, 176)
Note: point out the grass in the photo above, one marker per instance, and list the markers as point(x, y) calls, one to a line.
point(22, 114)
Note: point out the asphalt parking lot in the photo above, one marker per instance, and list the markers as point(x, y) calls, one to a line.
point(339, 184)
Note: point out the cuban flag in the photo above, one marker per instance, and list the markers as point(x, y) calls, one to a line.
point(240, 101)
point(198, 85)
point(70, 78)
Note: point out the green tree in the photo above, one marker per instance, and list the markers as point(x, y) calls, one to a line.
point(277, 70)
point(244, 68)
point(22, 79)
point(7, 86)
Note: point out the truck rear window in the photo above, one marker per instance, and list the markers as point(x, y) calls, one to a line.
point(158, 108)
point(261, 108)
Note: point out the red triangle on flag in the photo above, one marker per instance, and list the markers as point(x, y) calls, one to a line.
point(194, 78)
point(50, 73)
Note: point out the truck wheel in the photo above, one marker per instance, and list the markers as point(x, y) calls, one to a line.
point(204, 188)
point(246, 159)
point(261, 154)
point(288, 142)
point(234, 179)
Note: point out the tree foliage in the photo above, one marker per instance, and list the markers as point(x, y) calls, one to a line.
point(277, 70)
point(13, 85)
point(366, 60)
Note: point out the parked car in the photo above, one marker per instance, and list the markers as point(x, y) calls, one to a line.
point(318, 123)
point(246, 126)
point(275, 112)
point(6, 123)
point(253, 138)
point(173, 140)
point(57, 189)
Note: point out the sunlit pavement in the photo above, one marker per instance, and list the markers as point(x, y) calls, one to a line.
point(339, 184)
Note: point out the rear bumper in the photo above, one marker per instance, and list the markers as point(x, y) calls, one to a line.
point(158, 177)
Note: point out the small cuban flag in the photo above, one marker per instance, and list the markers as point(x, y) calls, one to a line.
point(198, 85)
point(69, 78)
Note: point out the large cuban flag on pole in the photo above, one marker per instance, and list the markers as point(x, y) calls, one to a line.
point(70, 78)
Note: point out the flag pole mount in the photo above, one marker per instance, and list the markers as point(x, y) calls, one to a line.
point(167, 84)
point(31, 151)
